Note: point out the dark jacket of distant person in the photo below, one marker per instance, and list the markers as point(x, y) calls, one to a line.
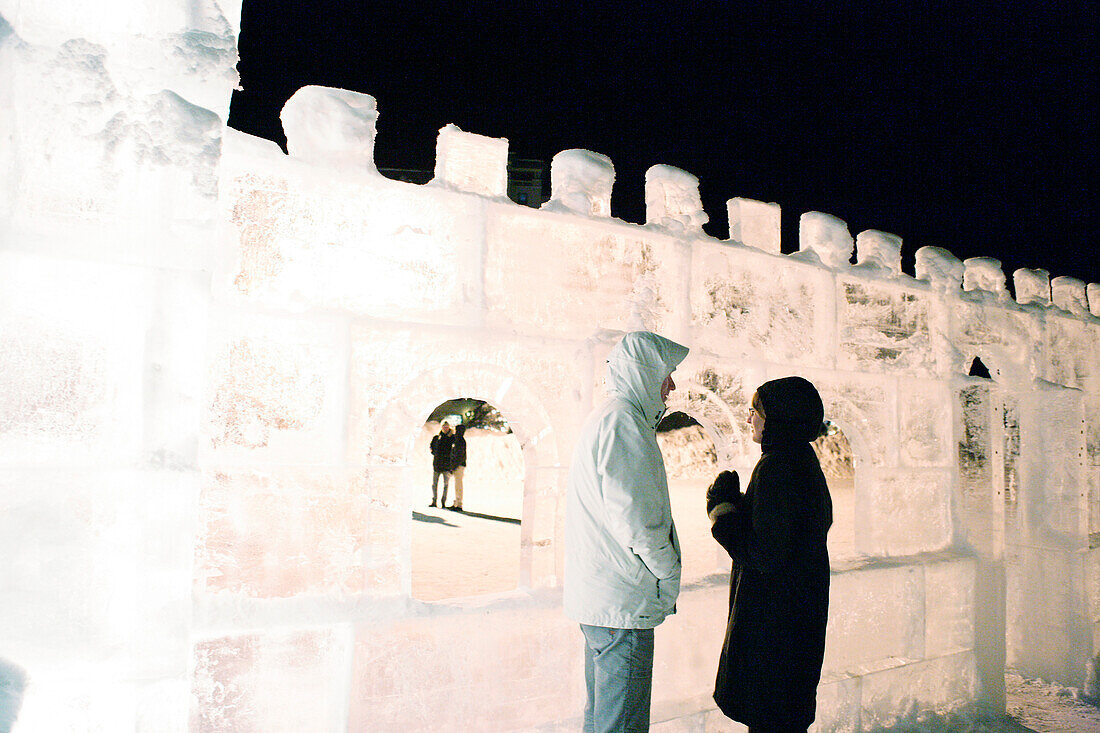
point(458, 451)
point(779, 588)
point(442, 448)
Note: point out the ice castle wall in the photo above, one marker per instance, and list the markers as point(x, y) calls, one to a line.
point(217, 358)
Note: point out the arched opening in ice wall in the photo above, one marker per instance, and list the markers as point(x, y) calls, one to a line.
point(476, 550)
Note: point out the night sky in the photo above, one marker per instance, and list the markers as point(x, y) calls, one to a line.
point(969, 126)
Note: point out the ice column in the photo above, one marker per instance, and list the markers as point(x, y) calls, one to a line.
point(1069, 294)
point(825, 236)
point(473, 163)
point(331, 126)
point(580, 182)
point(1032, 286)
point(881, 249)
point(672, 200)
point(754, 224)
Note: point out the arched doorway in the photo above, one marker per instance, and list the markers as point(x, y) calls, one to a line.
point(691, 463)
point(834, 452)
point(472, 548)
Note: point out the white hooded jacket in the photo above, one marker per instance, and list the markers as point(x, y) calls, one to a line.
point(622, 556)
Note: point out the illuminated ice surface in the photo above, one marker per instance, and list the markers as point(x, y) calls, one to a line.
point(217, 363)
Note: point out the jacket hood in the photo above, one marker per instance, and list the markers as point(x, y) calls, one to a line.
point(792, 412)
point(637, 366)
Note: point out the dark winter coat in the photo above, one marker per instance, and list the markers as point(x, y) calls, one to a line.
point(442, 446)
point(458, 452)
point(779, 589)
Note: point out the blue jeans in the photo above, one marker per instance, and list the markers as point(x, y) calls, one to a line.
point(618, 672)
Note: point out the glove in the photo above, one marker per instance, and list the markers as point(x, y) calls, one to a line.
point(726, 488)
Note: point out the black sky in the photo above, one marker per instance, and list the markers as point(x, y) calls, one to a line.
point(970, 126)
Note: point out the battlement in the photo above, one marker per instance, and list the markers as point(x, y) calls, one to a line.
point(336, 127)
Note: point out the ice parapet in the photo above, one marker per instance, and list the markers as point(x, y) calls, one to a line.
point(881, 249)
point(984, 273)
point(825, 236)
point(1092, 292)
point(331, 126)
point(672, 199)
point(940, 268)
point(1069, 294)
point(580, 182)
point(754, 224)
point(473, 163)
point(1032, 286)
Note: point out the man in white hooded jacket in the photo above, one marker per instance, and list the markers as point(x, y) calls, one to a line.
point(622, 556)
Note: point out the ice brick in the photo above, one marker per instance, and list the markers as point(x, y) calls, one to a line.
point(879, 250)
point(876, 617)
point(287, 680)
point(938, 685)
point(984, 274)
point(924, 424)
point(602, 275)
point(473, 163)
point(100, 575)
point(580, 183)
point(672, 200)
point(380, 248)
point(826, 237)
point(882, 327)
point(1068, 293)
point(287, 534)
point(864, 407)
point(837, 706)
point(754, 224)
point(949, 607)
point(745, 303)
point(329, 126)
point(514, 666)
point(277, 391)
point(1032, 286)
point(940, 268)
point(918, 501)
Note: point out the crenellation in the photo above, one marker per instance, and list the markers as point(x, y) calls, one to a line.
point(1092, 292)
point(984, 274)
point(472, 163)
point(754, 224)
point(941, 269)
point(672, 200)
point(580, 183)
point(879, 249)
point(825, 237)
point(1068, 293)
point(1032, 286)
point(331, 126)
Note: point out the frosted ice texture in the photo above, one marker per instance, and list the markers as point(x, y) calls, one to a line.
point(1092, 291)
point(879, 249)
point(473, 163)
point(826, 237)
point(1032, 286)
point(754, 223)
point(672, 200)
point(1068, 293)
point(883, 327)
point(331, 126)
point(940, 268)
point(984, 274)
point(580, 182)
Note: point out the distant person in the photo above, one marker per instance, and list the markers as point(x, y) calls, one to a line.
point(779, 588)
point(458, 460)
point(622, 556)
point(442, 447)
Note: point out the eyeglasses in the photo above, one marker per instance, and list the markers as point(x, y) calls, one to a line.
point(753, 411)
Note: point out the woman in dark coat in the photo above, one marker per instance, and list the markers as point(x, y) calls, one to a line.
point(779, 588)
